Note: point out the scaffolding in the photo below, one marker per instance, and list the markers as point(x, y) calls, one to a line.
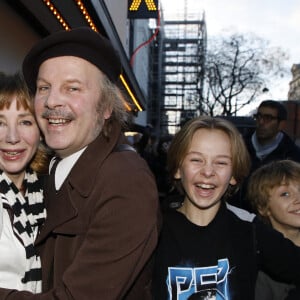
point(178, 71)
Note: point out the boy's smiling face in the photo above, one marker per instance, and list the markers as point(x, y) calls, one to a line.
point(206, 170)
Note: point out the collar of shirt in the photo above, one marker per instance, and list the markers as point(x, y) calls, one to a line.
point(64, 167)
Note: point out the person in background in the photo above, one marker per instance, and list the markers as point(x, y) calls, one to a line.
point(159, 166)
point(209, 249)
point(274, 192)
point(102, 203)
point(23, 162)
point(268, 143)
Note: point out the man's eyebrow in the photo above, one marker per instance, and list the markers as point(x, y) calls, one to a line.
point(70, 80)
point(73, 81)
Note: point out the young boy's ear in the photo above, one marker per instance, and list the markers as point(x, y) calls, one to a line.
point(263, 211)
point(177, 175)
point(232, 181)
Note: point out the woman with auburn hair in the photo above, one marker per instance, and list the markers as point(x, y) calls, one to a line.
point(23, 162)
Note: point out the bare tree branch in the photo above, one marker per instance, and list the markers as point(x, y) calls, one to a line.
point(237, 69)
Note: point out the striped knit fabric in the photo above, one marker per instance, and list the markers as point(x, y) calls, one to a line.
point(28, 214)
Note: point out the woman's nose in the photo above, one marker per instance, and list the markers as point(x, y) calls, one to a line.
point(12, 135)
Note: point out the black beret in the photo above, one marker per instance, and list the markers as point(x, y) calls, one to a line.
point(81, 42)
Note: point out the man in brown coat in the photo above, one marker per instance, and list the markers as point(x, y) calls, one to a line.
point(102, 202)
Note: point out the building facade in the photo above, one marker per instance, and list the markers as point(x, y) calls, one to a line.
point(24, 22)
point(294, 91)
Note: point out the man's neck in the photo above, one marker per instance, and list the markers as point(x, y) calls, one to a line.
point(265, 142)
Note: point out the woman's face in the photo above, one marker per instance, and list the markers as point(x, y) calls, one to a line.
point(19, 139)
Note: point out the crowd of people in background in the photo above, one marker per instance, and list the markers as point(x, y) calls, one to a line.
point(271, 154)
point(207, 248)
point(88, 213)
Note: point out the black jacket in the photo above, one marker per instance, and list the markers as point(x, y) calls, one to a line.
point(287, 149)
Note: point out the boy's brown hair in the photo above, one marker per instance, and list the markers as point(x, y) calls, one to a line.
point(265, 178)
point(182, 141)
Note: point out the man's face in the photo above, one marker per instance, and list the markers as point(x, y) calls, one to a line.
point(267, 124)
point(66, 103)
